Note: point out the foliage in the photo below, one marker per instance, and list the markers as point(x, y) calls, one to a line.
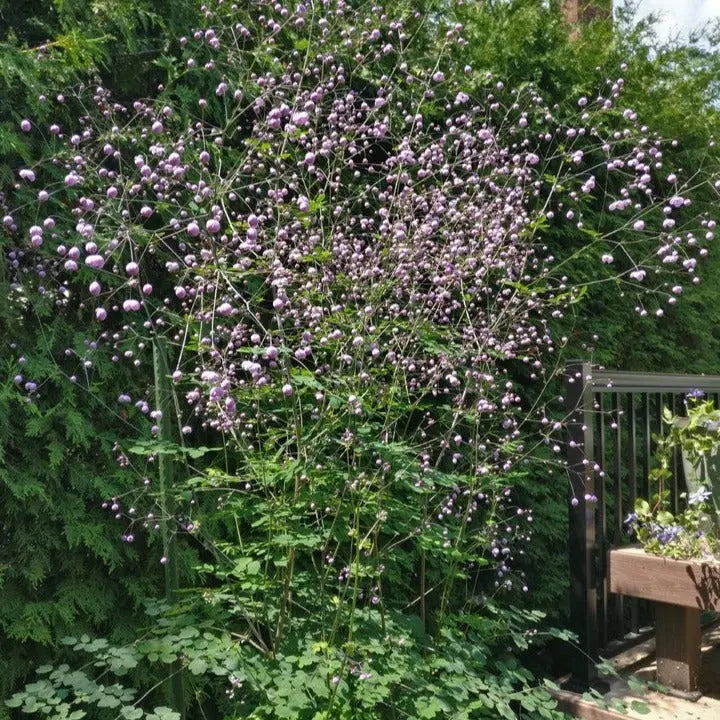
point(473, 676)
point(58, 548)
point(672, 85)
point(62, 568)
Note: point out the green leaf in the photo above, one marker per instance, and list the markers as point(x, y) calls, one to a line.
point(198, 666)
point(131, 713)
point(163, 713)
point(640, 707)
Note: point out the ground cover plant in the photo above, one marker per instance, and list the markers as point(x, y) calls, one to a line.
point(319, 259)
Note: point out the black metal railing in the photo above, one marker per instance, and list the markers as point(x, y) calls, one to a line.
point(612, 418)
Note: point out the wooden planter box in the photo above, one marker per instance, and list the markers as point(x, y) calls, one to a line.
point(681, 589)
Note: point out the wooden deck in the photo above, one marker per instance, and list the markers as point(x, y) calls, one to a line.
point(639, 662)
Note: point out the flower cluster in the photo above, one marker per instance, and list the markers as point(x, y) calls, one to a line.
point(675, 536)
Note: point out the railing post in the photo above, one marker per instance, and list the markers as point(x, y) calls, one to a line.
point(582, 522)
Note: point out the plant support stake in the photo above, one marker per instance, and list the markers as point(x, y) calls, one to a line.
point(163, 402)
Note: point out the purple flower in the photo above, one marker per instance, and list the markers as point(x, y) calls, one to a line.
point(131, 305)
point(95, 261)
point(217, 393)
point(301, 119)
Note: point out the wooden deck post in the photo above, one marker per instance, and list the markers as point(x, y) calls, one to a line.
point(582, 524)
point(677, 646)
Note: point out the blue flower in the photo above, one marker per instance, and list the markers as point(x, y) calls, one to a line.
point(631, 521)
point(701, 495)
point(666, 534)
point(695, 393)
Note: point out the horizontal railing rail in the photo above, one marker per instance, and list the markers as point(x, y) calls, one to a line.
point(623, 381)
